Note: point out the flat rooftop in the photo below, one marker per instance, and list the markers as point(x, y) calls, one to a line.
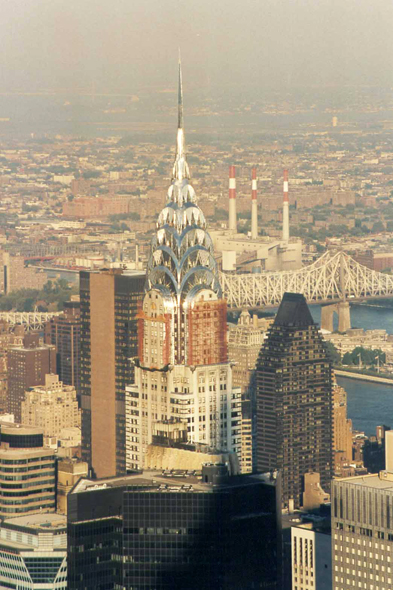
point(369, 481)
point(43, 521)
point(170, 481)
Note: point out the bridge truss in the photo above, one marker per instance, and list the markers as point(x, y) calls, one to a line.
point(32, 321)
point(331, 278)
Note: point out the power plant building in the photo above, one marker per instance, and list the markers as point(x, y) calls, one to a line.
point(261, 253)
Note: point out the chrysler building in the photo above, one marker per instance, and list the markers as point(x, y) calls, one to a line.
point(182, 372)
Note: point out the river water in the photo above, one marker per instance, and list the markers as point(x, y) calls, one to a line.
point(369, 404)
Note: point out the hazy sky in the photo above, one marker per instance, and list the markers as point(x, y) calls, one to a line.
point(124, 45)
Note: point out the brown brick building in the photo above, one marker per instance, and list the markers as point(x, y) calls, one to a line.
point(27, 366)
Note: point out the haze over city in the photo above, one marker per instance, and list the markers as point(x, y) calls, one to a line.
point(127, 47)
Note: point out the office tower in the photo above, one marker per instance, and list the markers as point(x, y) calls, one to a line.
point(27, 471)
point(294, 400)
point(109, 303)
point(63, 331)
point(52, 407)
point(182, 370)
point(342, 431)
point(33, 552)
point(311, 556)
point(362, 529)
point(174, 531)
point(27, 366)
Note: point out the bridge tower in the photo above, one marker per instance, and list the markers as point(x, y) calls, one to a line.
point(342, 309)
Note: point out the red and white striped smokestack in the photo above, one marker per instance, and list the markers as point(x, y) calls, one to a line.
point(254, 205)
point(285, 211)
point(232, 199)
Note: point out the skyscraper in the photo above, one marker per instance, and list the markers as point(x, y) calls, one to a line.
point(109, 304)
point(182, 370)
point(294, 400)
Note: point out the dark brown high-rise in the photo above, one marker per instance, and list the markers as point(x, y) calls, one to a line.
point(27, 366)
point(64, 332)
point(294, 400)
point(109, 304)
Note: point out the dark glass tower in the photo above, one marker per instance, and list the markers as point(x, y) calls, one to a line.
point(188, 531)
point(294, 400)
point(109, 303)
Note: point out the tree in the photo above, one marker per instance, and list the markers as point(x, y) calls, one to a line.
point(333, 353)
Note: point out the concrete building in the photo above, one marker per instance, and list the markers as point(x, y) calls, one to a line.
point(109, 305)
point(257, 253)
point(151, 530)
point(27, 471)
point(294, 400)
point(33, 552)
point(311, 556)
point(63, 331)
point(52, 407)
point(27, 366)
point(182, 370)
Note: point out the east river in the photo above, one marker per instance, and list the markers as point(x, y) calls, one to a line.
point(369, 404)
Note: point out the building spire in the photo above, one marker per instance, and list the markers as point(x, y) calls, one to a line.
point(180, 98)
point(180, 167)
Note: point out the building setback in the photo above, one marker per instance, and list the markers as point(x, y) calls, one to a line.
point(27, 367)
point(109, 304)
point(294, 400)
point(174, 532)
